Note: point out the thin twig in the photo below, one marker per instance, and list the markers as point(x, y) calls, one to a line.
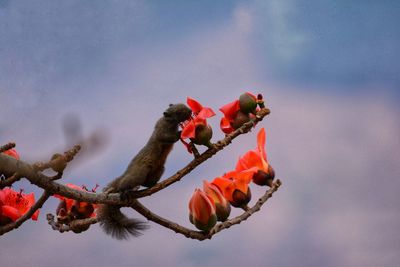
point(14, 225)
point(10, 180)
point(58, 162)
point(76, 226)
point(217, 228)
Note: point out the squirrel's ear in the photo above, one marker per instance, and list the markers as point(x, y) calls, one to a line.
point(170, 105)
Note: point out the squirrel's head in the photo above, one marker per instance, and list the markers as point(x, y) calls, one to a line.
point(178, 113)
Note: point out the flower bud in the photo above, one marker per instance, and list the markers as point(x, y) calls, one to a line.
point(222, 206)
point(202, 211)
point(248, 103)
point(264, 178)
point(203, 134)
point(240, 199)
point(240, 119)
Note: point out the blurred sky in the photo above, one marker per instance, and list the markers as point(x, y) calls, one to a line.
point(329, 71)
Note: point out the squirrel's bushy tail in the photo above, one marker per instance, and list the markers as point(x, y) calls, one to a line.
point(116, 224)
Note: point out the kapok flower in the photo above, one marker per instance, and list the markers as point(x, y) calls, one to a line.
point(235, 186)
point(196, 128)
point(202, 211)
point(14, 204)
point(222, 206)
point(238, 112)
point(12, 152)
point(258, 158)
point(71, 209)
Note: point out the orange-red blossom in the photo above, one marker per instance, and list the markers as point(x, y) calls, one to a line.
point(238, 112)
point(222, 206)
point(235, 186)
point(71, 209)
point(258, 158)
point(196, 128)
point(14, 204)
point(202, 211)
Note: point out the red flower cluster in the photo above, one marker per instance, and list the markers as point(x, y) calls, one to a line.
point(235, 186)
point(239, 111)
point(15, 204)
point(207, 207)
point(232, 187)
point(71, 209)
point(196, 129)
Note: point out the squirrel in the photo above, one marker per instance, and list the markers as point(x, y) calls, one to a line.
point(145, 169)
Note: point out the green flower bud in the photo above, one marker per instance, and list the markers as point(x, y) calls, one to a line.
point(203, 135)
point(247, 103)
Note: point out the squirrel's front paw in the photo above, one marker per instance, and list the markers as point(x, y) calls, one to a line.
point(126, 195)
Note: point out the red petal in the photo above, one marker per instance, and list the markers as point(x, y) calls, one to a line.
point(206, 113)
point(189, 130)
point(249, 160)
point(189, 149)
point(11, 212)
point(35, 216)
point(241, 164)
point(230, 109)
point(194, 105)
point(261, 139)
point(201, 206)
point(214, 192)
point(226, 186)
point(225, 126)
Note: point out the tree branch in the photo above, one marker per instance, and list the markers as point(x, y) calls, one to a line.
point(11, 165)
point(217, 228)
point(76, 226)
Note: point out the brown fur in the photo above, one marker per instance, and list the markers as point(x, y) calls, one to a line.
point(145, 169)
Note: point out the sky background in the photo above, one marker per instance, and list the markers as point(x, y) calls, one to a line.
point(329, 71)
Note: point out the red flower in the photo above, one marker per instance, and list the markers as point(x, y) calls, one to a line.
point(222, 207)
point(258, 158)
point(202, 211)
point(15, 204)
point(235, 186)
point(238, 112)
point(196, 128)
point(12, 152)
point(230, 110)
point(71, 209)
point(202, 113)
